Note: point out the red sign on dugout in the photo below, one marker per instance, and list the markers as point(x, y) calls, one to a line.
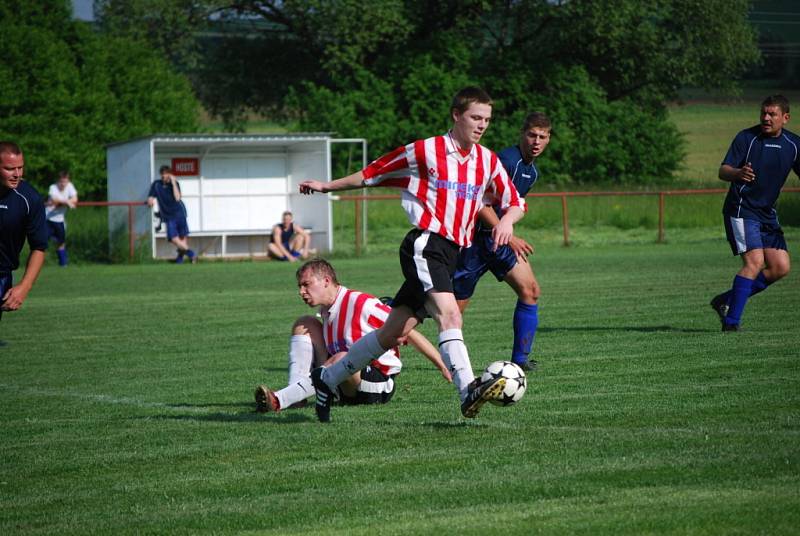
point(186, 166)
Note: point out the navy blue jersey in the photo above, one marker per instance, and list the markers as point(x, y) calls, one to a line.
point(286, 234)
point(772, 159)
point(21, 217)
point(169, 208)
point(522, 175)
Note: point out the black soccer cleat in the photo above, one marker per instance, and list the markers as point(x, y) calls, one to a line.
point(529, 366)
point(720, 305)
point(730, 327)
point(324, 395)
point(479, 393)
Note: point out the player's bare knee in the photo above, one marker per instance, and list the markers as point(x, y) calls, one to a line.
point(305, 325)
point(529, 294)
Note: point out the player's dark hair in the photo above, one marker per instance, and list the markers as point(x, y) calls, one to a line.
point(286, 213)
point(63, 173)
point(9, 147)
point(464, 98)
point(536, 119)
point(320, 268)
point(777, 100)
point(165, 169)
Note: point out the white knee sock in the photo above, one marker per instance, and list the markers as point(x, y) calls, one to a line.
point(301, 354)
point(295, 392)
point(361, 353)
point(455, 356)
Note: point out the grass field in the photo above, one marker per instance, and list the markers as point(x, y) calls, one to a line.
point(127, 407)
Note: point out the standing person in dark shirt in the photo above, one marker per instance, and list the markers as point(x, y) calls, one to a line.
point(757, 164)
point(172, 211)
point(21, 218)
point(509, 262)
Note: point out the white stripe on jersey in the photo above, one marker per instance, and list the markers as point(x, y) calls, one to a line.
point(353, 315)
point(423, 272)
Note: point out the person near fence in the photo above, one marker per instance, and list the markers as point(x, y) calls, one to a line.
point(172, 212)
point(289, 240)
point(21, 218)
point(347, 315)
point(61, 197)
point(757, 165)
point(509, 262)
point(444, 181)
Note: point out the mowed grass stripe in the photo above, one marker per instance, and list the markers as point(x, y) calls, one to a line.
point(643, 418)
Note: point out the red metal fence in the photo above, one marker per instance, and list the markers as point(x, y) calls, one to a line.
point(358, 199)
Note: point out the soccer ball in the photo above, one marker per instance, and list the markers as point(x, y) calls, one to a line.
point(516, 382)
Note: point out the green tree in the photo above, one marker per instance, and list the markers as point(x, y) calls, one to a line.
point(68, 91)
point(604, 69)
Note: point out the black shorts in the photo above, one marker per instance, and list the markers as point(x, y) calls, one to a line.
point(6, 282)
point(376, 388)
point(428, 261)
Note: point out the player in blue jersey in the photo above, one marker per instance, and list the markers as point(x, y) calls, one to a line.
point(509, 263)
point(172, 211)
point(757, 165)
point(289, 240)
point(21, 218)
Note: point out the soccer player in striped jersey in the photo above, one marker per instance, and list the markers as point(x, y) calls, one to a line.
point(444, 181)
point(21, 217)
point(347, 315)
point(509, 263)
point(757, 164)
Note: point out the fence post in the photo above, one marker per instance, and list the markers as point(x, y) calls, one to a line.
point(565, 219)
point(660, 217)
point(358, 227)
point(130, 233)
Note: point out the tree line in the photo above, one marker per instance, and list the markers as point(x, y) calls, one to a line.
point(383, 70)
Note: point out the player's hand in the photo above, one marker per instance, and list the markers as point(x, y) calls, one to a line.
point(446, 375)
point(13, 298)
point(309, 187)
point(501, 234)
point(746, 173)
point(520, 248)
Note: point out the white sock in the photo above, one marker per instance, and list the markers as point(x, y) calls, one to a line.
point(301, 354)
point(361, 353)
point(455, 356)
point(295, 392)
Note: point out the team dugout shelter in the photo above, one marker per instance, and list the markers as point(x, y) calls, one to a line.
point(235, 188)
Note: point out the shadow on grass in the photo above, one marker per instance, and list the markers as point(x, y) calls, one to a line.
point(640, 329)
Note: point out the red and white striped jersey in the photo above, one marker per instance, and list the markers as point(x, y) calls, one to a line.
point(443, 190)
point(352, 315)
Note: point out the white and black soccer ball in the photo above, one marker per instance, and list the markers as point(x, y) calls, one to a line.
point(516, 382)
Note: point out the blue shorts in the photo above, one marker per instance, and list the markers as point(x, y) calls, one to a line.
point(745, 235)
point(177, 227)
point(476, 260)
point(293, 252)
point(5, 283)
point(58, 231)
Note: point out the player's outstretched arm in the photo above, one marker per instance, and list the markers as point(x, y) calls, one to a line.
point(421, 343)
point(351, 182)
